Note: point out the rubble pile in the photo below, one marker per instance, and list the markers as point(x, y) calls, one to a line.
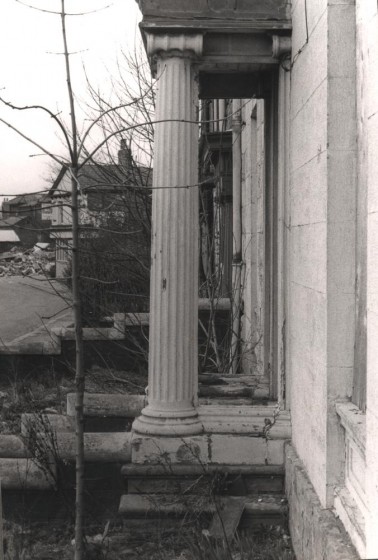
point(19, 262)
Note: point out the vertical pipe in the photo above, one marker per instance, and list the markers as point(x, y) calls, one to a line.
point(236, 234)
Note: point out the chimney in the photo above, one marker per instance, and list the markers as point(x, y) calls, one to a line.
point(125, 156)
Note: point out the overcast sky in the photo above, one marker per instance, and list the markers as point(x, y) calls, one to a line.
point(29, 75)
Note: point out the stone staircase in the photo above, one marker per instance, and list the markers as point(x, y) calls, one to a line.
point(243, 497)
point(240, 472)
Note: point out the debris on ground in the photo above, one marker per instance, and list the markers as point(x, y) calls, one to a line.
point(37, 260)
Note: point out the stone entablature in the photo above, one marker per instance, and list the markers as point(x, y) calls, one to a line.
point(220, 14)
point(246, 38)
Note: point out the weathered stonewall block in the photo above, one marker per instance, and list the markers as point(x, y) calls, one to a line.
point(16, 474)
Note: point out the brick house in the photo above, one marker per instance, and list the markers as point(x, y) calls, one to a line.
point(106, 191)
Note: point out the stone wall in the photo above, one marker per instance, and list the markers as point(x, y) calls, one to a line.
point(322, 233)
point(367, 86)
point(315, 532)
point(308, 239)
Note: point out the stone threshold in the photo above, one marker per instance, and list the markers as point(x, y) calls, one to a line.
point(142, 505)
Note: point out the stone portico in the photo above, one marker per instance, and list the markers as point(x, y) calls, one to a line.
point(207, 58)
point(306, 75)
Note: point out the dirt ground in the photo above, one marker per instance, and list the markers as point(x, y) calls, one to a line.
point(147, 543)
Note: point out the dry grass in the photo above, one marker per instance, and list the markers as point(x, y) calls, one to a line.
point(48, 543)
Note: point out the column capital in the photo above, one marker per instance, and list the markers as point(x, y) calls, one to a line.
point(183, 44)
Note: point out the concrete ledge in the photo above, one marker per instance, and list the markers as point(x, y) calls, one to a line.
point(353, 421)
point(98, 447)
point(17, 474)
point(122, 320)
point(155, 504)
point(197, 470)
point(32, 347)
point(104, 333)
point(237, 480)
point(253, 420)
point(316, 533)
point(216, 449)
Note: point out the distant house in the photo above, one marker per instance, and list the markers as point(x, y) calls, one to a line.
point(24, 214)
point(8, 237)
point(106, 191)
point(18, 230)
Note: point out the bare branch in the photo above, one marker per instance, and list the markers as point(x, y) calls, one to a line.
point(42, 108)
point(61, 162)
point(60, 13)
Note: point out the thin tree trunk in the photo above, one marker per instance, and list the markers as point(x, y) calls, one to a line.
point(237, 262)
point(79, 374)
point(1, 526)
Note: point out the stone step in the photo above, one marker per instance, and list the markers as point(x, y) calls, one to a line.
point(108, 405)
point(260, 509)
point(98, 448)
point(236, 480)
point(119, 405)
point(212, 415)
point(64, 423)
point(24, 473)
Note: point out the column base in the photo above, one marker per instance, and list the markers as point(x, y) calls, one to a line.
point(168, 423)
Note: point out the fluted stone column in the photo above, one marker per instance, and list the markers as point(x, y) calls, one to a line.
point(173, 352)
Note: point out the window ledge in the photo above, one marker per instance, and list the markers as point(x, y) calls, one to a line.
point(354, 422)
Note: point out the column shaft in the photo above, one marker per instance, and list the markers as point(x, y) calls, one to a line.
point(173, 352)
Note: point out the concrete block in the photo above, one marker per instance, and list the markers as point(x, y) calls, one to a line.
point(238, 450)
point(12, 447)
point(275, 452)
point(245, 420)
point(55, 422)
point(16, 474)
point(102, 448)
point(169, 450)
point(105, 404)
